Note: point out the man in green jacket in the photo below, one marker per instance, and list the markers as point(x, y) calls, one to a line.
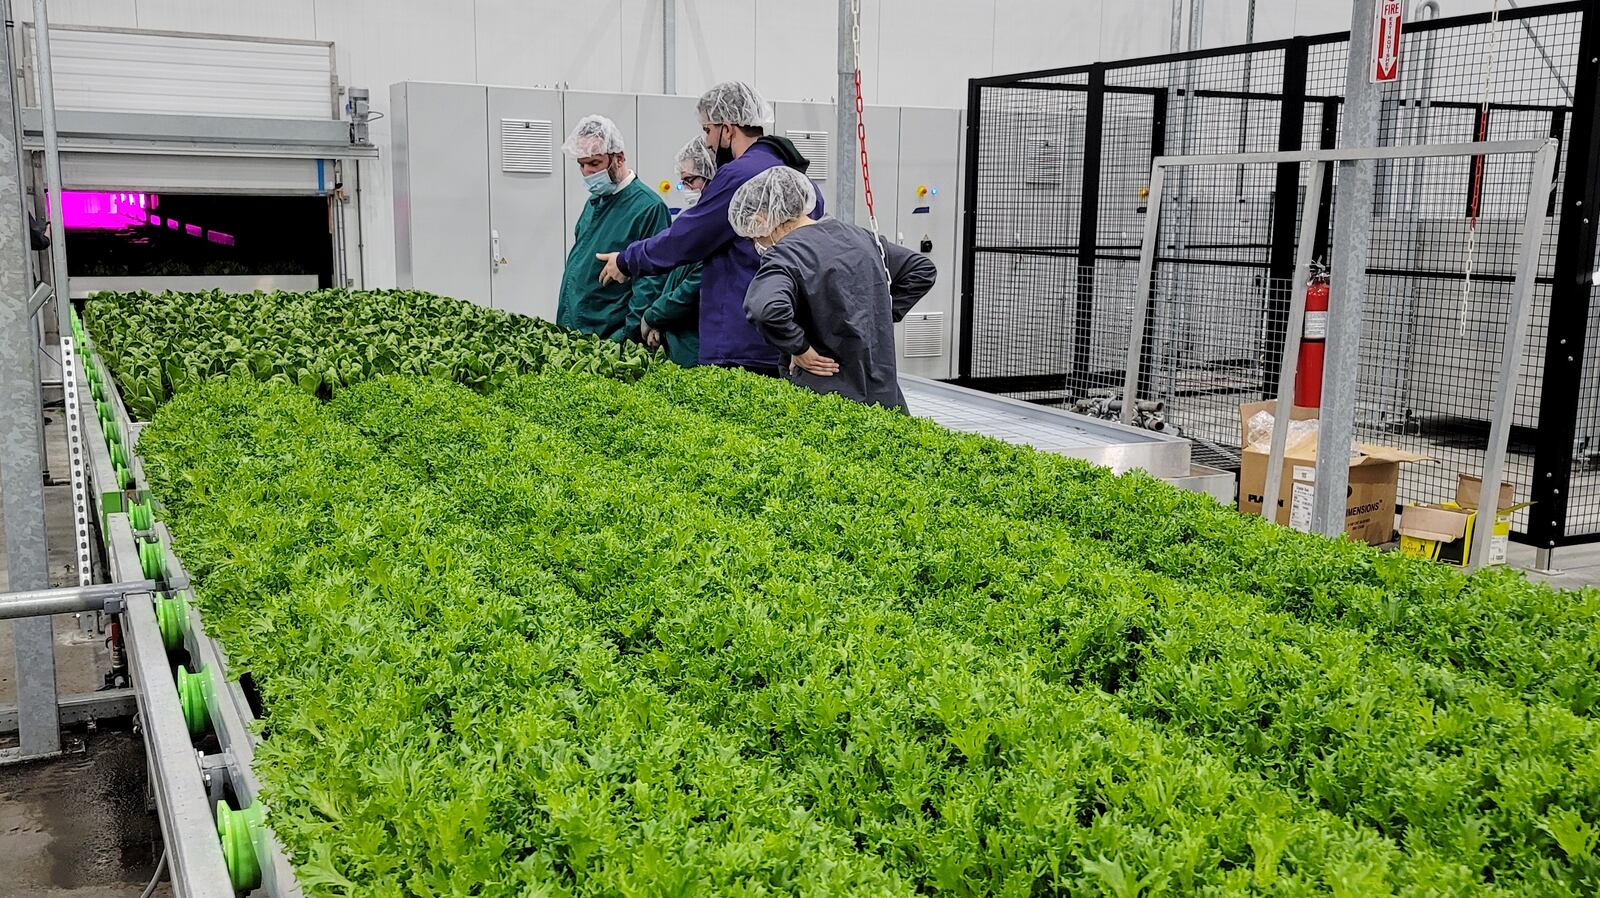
point(672, 319)
point(618, 211)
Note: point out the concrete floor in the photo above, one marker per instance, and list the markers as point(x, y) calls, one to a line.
point(74, 826)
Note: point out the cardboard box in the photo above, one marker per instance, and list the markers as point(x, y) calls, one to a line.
point(1445, 532)
point(1370, 498)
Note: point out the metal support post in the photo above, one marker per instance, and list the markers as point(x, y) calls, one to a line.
point(669, 47)
point(1352, 239)
point(1505, 393)
point(844, 145)
point(21, 458)
point(1285, 203)
point(1078, 382)
point(1144, 289)
point(1291, 346)
point(1570, 297)
point(58, 258)
point(969, 228)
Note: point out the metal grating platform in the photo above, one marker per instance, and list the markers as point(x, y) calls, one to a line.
point(1107, 443)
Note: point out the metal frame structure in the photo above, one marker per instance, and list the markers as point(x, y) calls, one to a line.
point(1331, 463)
point(188, 784)
point(1294, 81)
point(191, 788)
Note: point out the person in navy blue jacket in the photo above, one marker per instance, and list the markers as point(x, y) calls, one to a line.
point(734, 119)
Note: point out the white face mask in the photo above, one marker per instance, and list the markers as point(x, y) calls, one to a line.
point(690, 197)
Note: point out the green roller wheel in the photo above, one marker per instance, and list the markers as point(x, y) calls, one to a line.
point(152, 559)
point(118, 457)
point(172, 618)
point(142, 514)
point(237, 831)
point(124, 478)
point(194, 697)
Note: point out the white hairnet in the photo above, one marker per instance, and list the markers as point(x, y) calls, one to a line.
point(778, 195)
point(695, 159)
point(734, 103)
point(595, 135)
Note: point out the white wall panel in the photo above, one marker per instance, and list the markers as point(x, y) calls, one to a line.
point(121, 71)
point(1129, 30)
point(277, 18)
point(104, 13)
point(179, 174)
point(1274, 21)
point(521, 43)
point(932, 48)
point(782, 69)
point(1320, 16)
point(641, 48)
point(917, 52)
point(1223, 22)
point(1039, 34)
point(717, 41)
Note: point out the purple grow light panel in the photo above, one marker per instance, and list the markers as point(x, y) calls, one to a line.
point(86, 210)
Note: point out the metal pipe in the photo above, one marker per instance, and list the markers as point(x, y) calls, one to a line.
point(1516, 340)
point(1347, 307)
point(21, 487)
point(669, 47)
point(844, 160)
point(41, 295)
point(1147, 265)
point(59, 279)
point(68, 599)
point(361, 233)
point(1273, 488)
point(52, 159)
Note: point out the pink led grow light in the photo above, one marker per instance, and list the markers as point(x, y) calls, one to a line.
point(86, 210)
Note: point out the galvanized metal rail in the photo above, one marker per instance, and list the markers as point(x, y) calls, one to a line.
point(192, 788)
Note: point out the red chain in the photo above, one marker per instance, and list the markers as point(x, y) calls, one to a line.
point(861, 136)
point(1477, 164)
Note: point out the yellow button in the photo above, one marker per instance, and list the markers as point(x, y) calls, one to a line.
point(922, 190)
point(666, 186)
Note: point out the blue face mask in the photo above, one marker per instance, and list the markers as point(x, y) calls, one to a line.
point(599, 183)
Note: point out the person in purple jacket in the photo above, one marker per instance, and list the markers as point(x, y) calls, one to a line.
point(734, 119)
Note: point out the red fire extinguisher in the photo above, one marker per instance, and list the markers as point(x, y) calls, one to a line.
point(1313, 344)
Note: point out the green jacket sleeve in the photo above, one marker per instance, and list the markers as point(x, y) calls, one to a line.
point(648, 289)
point(679, 302)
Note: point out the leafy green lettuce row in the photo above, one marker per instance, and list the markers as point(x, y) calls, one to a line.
point(1527, 637)
point(498, 647)
point(1322, 709)
point(429, 735)
point(160, 345)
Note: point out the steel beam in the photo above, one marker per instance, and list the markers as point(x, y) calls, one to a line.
point(1516, 342)
point(1291, 346)
point(176, 776)
point(81, 708)
point(29, 603)
point(22, 458)
point(845, 144)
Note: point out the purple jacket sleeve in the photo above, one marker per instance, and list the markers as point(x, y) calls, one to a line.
point(694, 236)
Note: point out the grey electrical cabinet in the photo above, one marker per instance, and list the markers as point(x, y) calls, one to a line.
point(441, 188)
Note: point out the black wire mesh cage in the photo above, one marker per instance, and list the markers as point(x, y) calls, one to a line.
point(1057, 178)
